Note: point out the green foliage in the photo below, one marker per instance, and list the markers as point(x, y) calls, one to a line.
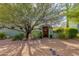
point(37, 34)
point(73, 13)
point(28, 16)
point(71, 33)
point(18, 37)
point(59, 30)
point(66, 33)
point(60, 33)
point(78, 35)
point(2, 36)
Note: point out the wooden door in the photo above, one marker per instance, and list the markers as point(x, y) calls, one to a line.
point(45, 31)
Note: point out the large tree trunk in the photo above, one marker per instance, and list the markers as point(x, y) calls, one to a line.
point(27, 35)
point(28, 43)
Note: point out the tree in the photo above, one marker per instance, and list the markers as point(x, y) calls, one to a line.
point(66, 12)
point(24, 17)
point(74, 13)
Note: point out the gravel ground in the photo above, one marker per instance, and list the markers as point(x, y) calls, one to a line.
point(39, 47)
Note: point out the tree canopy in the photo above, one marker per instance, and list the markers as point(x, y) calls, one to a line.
point(73, 13)
point(27, 16)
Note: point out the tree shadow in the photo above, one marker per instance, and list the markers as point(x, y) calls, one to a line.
point(20, 51)
point(60, 45)
point(36, 45)
point(13, 49)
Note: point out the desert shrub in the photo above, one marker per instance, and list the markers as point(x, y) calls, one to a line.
point(37, 34)
point(59, 30)
point(78, 35)
point(2, 36)
point(66, 33)
point(71, 32)
point(18, 37)
point(60, 33)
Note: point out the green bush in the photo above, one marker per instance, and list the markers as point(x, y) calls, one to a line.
point(71, 33)
point(66, 33)
point(37, 34)
point(78, 35)
point(59, 30)
point(18, 37)
point(2, 36)
point(60, 33)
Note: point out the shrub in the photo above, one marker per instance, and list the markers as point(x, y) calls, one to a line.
point(60, 33)
point(59, 30)
point(37, 34)
point(18, 37)
point(71, 32)
point(66, 33)
point(2, 36)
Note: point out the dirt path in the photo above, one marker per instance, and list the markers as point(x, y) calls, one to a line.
point(39, 47)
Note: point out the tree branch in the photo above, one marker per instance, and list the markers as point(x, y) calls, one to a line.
point(12, 28)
